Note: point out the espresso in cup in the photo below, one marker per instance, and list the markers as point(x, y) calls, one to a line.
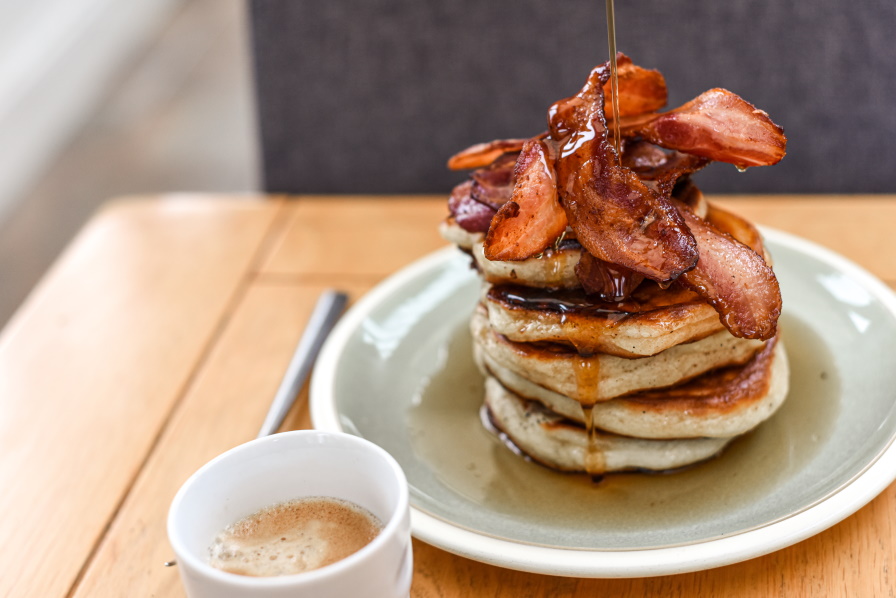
point(265, 476)
point(293, 537)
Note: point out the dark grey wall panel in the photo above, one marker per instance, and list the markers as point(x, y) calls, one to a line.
point(372, 96)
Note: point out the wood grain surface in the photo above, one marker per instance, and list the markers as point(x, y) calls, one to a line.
point(223, 407)
point(92, 365)
point(356, 237)
point(160, 337)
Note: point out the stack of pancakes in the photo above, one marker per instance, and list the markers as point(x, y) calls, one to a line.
point(653, 382)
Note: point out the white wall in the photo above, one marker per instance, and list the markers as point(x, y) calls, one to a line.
point(57, 59)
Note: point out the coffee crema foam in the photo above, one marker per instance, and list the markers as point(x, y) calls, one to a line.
point(293, 537)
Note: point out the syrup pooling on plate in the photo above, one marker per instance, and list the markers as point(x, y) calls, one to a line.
point(514, 498)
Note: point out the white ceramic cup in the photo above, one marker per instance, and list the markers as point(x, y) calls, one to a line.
point(284, 467)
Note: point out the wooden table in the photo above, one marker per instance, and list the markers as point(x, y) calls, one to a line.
point(159, 337)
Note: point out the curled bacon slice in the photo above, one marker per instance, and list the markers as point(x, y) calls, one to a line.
point(717, 124)
point(493, 184)
point(660, 169)
point(533, 218)
point(737, 227)
point(735, 280)
point(642, 156)
point(483, 154)
point(687, 192)
point(616, 217)
point(471, 215)
point(640, 90)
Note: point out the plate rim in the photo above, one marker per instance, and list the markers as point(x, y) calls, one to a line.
point(621, 563)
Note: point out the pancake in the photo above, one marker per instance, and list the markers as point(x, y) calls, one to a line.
point(553, 441)
point(601, 377)
point(719, 404)
point(453, 233)
point(649, 322)
point(555, 268)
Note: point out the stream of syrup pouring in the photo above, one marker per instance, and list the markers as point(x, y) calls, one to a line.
point(586, 365)
point(614, 77)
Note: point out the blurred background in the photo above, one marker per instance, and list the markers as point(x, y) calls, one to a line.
point(103, 98)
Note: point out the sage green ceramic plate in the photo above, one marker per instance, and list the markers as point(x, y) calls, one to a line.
point(398, 371)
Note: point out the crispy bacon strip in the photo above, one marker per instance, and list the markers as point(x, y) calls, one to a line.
point(737, 227)
point(688, 193)
point(616, 217)
point(533, 218)
point(493, 184)
point(642, 156)
point(658, 168)
point(629, 126)
point(717, 124)
point(471, 215)
point(640, 90)
point(483, 154)
point(735, 280)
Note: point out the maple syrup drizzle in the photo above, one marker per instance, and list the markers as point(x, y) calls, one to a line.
point(587, 372)
point(614, 78)
point(586, 366)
